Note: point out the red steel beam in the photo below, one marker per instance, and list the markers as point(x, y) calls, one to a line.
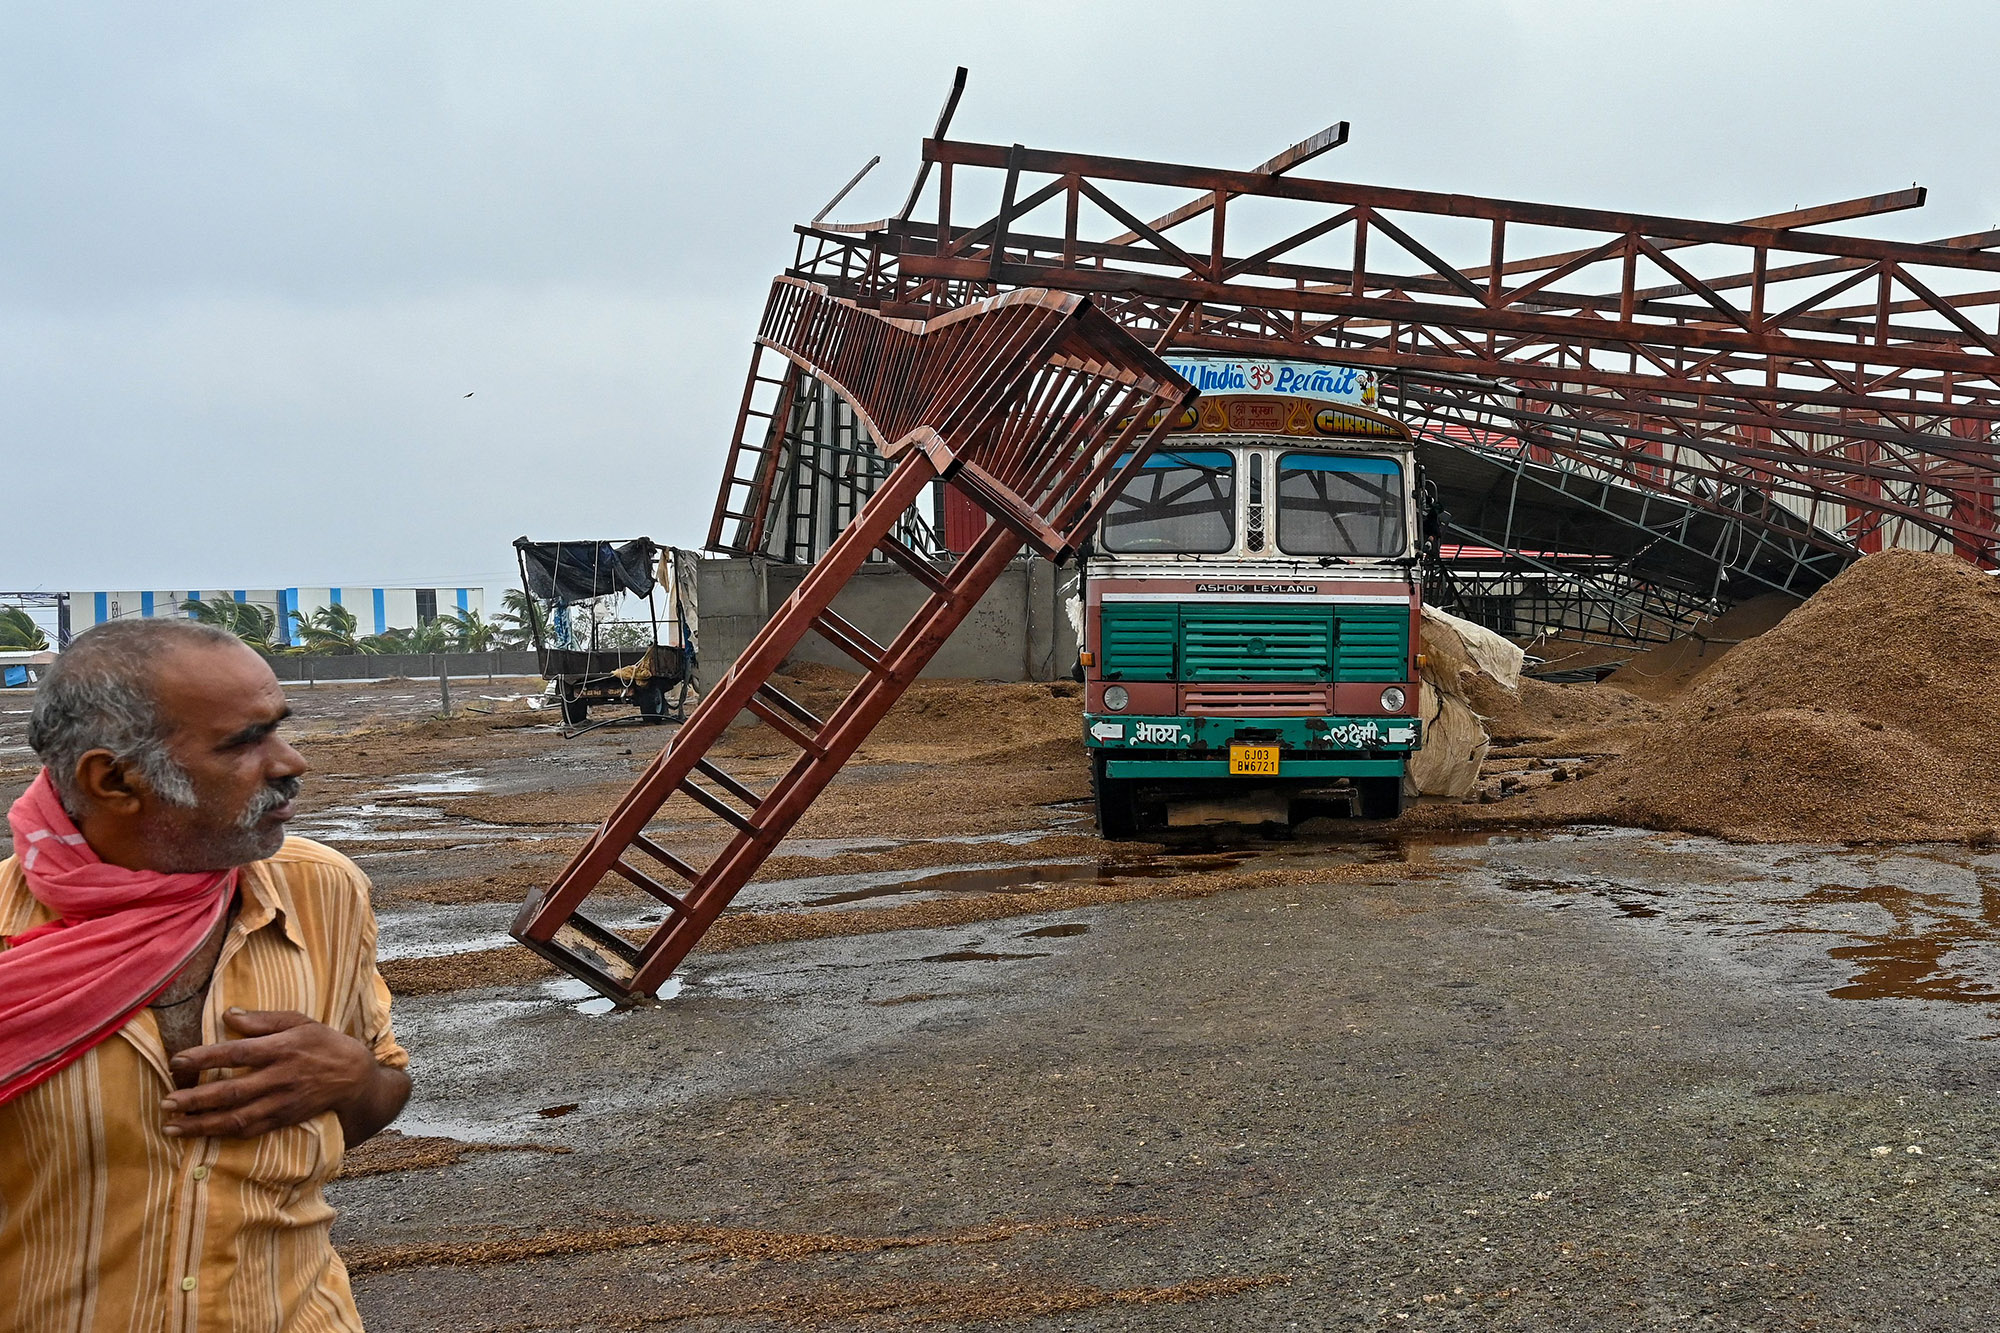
point(1041, 408)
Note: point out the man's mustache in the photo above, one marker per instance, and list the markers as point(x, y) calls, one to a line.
point(275, 793)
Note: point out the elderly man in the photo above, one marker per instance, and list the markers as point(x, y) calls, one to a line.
point(192, 1029)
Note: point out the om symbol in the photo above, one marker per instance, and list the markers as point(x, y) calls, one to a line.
point(1261, 377)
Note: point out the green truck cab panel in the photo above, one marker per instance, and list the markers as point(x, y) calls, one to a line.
point(1195, 641)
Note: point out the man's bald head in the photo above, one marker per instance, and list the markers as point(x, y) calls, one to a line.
point(100, 695)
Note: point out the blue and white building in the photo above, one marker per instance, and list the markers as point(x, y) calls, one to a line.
point(376, 610)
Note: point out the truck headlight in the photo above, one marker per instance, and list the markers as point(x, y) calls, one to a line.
point(1116, 697)
point(1393, 699)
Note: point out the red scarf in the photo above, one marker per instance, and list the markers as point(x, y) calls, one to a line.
point(120, 936)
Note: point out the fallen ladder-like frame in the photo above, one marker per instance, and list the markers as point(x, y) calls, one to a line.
point(1034, 404)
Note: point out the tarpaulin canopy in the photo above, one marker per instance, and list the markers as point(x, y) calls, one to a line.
point(578, 571)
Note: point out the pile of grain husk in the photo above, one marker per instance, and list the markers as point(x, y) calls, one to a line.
point(1867, 714)
point(1582, 719)
point(1556, 653)
point(1664, 671)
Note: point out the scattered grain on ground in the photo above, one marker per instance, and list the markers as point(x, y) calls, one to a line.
point(392, 1150)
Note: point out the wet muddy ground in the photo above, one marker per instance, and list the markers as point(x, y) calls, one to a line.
point(1008, 1077)
point(1587, 1080)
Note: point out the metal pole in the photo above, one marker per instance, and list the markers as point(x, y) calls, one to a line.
point(444, 687)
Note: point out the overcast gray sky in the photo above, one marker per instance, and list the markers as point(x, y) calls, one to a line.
point(253, 257)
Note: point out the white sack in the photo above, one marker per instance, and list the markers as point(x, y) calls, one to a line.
point(1492, 655)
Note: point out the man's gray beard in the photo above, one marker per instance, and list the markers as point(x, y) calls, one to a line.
point(186, 850)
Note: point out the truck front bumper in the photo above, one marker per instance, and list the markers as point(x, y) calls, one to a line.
point(1198, 747)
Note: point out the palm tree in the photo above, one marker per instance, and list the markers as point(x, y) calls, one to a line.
point(471, 632)
point(388, 641)
point(331, 629)
point(19, 632)
point(619, 635)
point(255, 625)
point(521, 621)
point(434, 637)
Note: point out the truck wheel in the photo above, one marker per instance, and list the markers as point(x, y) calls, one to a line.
point(1117, 817)
point(652, 700)
point(574, 710)
point(1380, 798)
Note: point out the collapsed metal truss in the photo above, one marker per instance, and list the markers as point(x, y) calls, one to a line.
point(812, 465)
point(1526, 594)
point(1814, 394)
point(1035, 406)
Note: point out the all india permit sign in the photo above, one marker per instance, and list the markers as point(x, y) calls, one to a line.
point(1220, 375)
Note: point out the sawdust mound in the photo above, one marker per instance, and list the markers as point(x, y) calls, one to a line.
point(1866, 714)
point(1792, 774)
point(1539, 711)
point(1662, 672)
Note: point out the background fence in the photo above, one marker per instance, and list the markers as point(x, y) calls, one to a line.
point(413, 666)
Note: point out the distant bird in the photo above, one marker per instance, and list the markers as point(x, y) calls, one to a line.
point(469, 395)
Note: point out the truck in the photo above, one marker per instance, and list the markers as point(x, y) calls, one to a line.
point(1250, 607)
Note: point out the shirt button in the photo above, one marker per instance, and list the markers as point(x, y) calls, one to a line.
point(200, 1173)
point(187, 1284)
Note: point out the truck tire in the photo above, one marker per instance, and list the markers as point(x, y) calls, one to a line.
point(574, 710)
point(652, 701)
point(1117, 815)
point(1379, 798)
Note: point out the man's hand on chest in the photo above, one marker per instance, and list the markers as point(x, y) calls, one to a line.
point(289, 1070)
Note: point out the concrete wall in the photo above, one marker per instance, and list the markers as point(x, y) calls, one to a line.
point(1019, 630)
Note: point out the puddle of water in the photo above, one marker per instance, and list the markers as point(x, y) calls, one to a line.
point(437, 784)
point(1056, 932)
point(976, 956)
point(1934, 950)
point(371, 822)
point(1917, 923)
point(394, 950)
point(585, 999)
point(1619, 896)
point(1026, 878)
point(1017, 838)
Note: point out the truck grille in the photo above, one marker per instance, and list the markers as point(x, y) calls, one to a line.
point(1374, 643)
point(1139, 642)
point(1198, 643)
point(1255, 700)
point(1264, 643)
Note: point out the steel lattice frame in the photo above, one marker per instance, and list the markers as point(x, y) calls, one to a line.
point(1819, 391)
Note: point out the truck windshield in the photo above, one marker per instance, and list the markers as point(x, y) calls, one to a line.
point(1181, 502)
point(1330, 505)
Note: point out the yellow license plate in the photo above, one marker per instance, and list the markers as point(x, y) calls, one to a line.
point(1253, 760)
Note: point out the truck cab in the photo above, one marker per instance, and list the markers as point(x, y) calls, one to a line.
point(1250, 608)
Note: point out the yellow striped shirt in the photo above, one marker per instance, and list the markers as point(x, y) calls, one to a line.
point(107, 1224)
